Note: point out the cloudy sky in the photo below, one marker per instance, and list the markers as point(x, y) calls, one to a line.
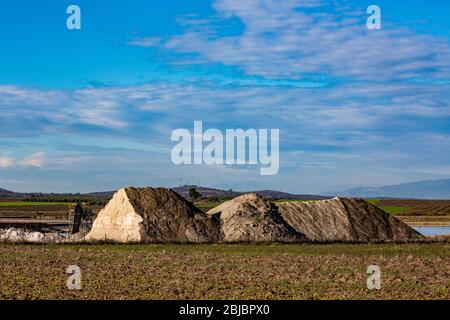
point(94, 109)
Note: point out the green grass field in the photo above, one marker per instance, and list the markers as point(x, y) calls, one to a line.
point(395, 210)
point(28, 203)
point(205, 206)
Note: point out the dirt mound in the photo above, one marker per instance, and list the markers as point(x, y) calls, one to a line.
point(152, 215)
point(251, 218)
point(342, 219)
point(161, 215)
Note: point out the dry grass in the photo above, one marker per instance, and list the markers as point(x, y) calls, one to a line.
point(425, 220)
point(336, 271)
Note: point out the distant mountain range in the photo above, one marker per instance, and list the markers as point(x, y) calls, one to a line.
point(429, 189)
point(269, 194)
point(184, 192)
point(8, 194)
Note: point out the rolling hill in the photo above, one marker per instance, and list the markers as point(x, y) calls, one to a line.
point(183, 191)
point(268, 194)
point(428, 189)
point(8, 194)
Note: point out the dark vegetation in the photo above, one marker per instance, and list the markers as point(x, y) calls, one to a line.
point(69, 198)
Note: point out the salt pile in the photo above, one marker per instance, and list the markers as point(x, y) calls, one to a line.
point(152, 215)
point(343, 219)
point(251, 218)
point(161, 215)
point(15, 235)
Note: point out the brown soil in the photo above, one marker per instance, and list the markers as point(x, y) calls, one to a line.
point(167, 271)
point(342, 219)
point(419, 207)
point(169, 217)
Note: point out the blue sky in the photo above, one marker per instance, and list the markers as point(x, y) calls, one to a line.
point(93, 109)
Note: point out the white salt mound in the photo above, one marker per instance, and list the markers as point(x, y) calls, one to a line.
point(15, 235)
point(252, 218)
point(152, 215)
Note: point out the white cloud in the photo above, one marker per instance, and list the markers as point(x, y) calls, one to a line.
point(6, 162)
point(345, 132)
point(281, 40)
point(149, 112)
point(144, 42)
point(35, 160)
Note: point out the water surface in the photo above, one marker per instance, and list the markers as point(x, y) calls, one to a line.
point(433, 230)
